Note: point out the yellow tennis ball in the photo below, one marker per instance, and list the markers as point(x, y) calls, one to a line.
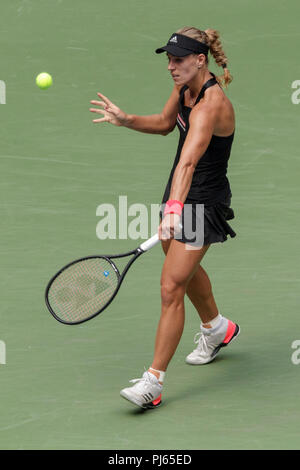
point(43, 80)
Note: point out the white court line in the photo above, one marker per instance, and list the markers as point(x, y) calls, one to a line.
point(77, 48)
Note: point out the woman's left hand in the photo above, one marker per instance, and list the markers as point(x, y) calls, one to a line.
point(169, 226)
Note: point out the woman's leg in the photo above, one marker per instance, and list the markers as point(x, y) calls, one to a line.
point(179, 267)
point(199, 291)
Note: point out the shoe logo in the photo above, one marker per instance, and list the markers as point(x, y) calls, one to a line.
point(148, 396)
point(174, 39)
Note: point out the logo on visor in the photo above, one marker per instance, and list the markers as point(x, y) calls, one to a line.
point(174, 39)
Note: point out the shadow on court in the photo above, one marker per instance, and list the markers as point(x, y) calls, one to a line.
point(238, 377)
point(233, 365)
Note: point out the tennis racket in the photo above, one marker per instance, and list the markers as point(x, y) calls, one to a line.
point(84, 288)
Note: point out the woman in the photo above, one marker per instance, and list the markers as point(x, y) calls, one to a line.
point(205, 119)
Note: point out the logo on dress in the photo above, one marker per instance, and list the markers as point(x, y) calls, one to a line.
point(173, 39)
point(181, 122)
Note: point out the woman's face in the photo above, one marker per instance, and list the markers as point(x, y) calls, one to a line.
point(184, 69)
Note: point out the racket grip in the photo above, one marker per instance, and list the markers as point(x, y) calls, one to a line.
point(149, 243)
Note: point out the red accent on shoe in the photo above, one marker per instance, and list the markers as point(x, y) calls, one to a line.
point(157, 401)
point(230, 332)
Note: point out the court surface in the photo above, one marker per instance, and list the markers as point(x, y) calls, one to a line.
point(60, 385)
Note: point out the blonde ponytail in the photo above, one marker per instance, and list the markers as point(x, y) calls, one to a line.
point(211, 37)
point(218, 54)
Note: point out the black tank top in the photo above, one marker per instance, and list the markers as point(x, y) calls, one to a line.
point(209, 184)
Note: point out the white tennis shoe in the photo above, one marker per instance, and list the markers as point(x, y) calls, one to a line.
point(146, 392)
point(211, 340)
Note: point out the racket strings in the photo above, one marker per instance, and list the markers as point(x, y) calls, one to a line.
point(83, 289)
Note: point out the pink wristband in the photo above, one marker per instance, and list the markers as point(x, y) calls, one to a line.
point(173, 207)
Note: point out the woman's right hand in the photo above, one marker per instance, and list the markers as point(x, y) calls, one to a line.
point(170, 227)
point(111, 112)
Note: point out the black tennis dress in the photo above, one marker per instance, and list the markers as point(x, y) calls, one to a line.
point(210, 186)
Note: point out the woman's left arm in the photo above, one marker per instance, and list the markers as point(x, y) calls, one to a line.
point(202, 125)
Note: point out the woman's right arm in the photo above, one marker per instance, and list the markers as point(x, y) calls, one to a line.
point(162, 123)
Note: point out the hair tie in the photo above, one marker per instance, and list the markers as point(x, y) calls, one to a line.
point(224, 66)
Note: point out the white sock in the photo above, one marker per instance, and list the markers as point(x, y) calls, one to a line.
point(161, 374)
point(213, 323)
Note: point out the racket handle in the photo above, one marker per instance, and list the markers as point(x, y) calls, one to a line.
point(149, 243)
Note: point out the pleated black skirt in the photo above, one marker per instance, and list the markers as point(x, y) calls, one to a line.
point(206, 226)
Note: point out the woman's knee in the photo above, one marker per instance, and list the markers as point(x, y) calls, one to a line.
point(172, 291)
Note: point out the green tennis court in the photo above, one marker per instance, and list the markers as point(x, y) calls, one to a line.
point(60, 384)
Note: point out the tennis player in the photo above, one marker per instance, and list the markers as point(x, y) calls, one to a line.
point(206, 123)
